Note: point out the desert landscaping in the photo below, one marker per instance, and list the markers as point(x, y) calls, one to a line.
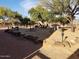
point(39, 29)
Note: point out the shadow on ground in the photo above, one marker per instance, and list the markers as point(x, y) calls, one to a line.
point(75, 55)
point(42, 33)
point(38, 55)
point(12, 48)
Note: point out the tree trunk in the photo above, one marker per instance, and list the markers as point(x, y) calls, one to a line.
point(72, 26)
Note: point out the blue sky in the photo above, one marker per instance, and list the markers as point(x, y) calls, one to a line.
point(22, 6)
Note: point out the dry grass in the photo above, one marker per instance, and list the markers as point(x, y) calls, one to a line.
point(54, 49)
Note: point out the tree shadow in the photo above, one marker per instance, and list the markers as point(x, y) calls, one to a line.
point(75, 55)
point(18, 49)
point(42, 33)
point(39, 56)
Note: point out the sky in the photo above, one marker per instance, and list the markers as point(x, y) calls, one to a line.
point(21, 6)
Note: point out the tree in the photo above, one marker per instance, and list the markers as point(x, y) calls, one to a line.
point(34, 14)
point(63, 7)
point(25, 21)
point(7, 14)
point(39, 13)
point(2, 11)
point(62, 20)
point(10, 13)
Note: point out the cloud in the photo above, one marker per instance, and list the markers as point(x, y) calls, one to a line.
point(28, 4)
